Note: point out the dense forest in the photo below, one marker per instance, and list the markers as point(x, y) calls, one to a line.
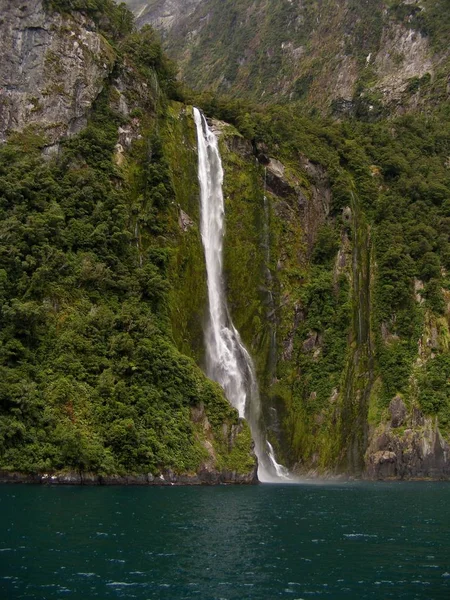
point(103, 291)
point(90, 377)
point(390, 188)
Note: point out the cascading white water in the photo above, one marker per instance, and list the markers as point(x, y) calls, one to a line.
point(227, 360)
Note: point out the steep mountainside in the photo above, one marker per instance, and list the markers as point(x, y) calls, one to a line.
point(364, 57)
point(337, 254)
point(336, 259)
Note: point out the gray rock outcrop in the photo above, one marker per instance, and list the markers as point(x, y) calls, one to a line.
point(52, 70)
point(418, 452)
point(398, 411)
point(162, 14)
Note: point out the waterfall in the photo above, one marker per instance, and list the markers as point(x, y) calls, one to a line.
point(227, 360)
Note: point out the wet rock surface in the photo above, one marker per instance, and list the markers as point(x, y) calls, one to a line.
point(398, 412)
point(417, 452)
point(167, 477)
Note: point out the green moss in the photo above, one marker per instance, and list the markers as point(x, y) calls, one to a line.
point(188, 293)
point(243, 252)
point(375, 409)
point(240, 458)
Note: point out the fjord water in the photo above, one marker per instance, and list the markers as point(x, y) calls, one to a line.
point(227, 360)
point(346, 541)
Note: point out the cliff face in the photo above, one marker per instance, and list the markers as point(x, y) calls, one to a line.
point(409, 446)
point(162, 15)
point(363, 58)
point(53, 68)
point(336, 257)
point(310, 274)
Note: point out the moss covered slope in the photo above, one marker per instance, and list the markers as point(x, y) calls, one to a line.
point(335, 255)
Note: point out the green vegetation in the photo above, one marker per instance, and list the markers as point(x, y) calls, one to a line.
point(434, 388)
point(336, 261)
point(187, 274)
point(347, 326)
point(91, 378)
point(115, 20)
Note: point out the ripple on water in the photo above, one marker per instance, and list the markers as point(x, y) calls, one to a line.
point(239, 544)
point(360, 535)
point(116, 560)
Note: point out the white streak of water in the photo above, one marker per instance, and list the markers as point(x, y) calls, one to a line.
point(227, 360)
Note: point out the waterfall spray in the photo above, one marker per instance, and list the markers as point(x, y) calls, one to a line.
point(227, 360)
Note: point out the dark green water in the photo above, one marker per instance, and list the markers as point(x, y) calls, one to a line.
point(344, 541)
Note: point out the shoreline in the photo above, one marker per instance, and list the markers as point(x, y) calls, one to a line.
point(203, 478)
point(167, 478)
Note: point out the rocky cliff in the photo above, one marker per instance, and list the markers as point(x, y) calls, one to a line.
point(409, 446)
point(53, 68)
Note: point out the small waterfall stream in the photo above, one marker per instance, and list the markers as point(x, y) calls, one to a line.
point(227, 360)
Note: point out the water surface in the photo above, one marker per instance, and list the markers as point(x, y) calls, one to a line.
point(346, 541)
